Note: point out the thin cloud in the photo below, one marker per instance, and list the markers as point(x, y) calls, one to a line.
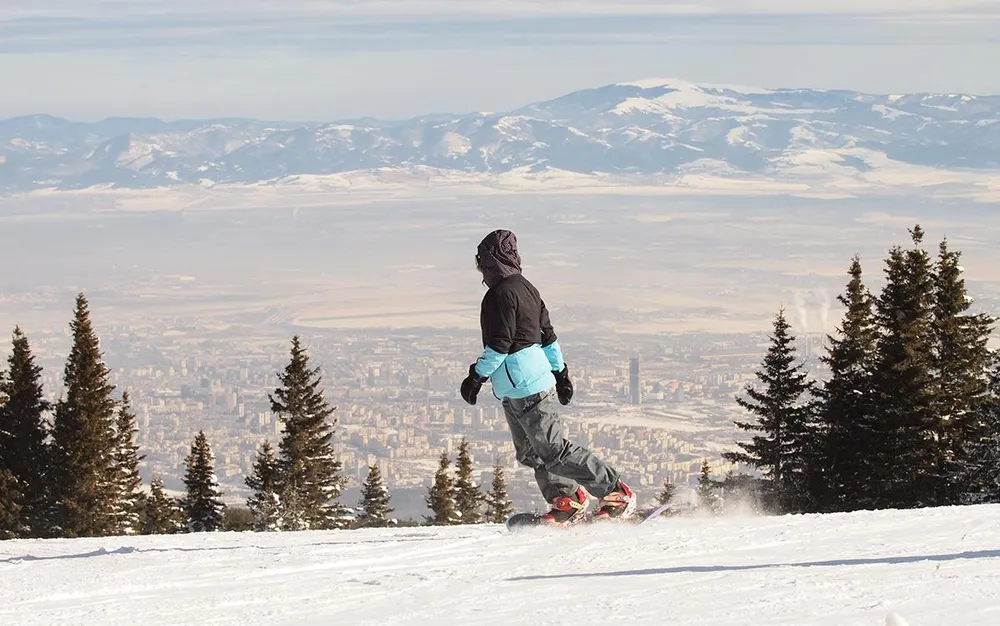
point(360, 26)
point(453, 9)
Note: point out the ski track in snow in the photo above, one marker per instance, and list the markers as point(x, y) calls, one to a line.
point(920, 568)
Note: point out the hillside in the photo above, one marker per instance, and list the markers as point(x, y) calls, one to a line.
point(925, 567)
point(651, 133)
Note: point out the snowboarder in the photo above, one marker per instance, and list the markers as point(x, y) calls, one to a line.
point(523, 361)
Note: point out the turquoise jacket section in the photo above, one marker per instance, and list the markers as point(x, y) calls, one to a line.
point(522, 373)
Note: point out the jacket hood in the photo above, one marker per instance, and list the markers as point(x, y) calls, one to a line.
point(498, 256)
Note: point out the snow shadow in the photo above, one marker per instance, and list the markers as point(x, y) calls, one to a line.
point(689, 569)
point(400, 538)
point(105, 552)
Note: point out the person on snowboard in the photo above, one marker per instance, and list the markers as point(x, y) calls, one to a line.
point(524, 364)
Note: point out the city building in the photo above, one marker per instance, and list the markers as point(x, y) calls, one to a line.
point(634, 392)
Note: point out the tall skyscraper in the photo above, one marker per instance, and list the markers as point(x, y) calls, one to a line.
point(634, 396)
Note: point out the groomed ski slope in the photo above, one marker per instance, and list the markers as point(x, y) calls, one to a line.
point(902, 568)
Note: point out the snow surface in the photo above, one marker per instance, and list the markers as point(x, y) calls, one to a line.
point(689, 95)
point(917, 568)
point(684, 95)
point(687, 85)
point(630, 106)
point(454, 144)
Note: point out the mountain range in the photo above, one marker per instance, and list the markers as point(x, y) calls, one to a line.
point(653, 131)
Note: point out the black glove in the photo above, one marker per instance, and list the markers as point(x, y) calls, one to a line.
point(472, 384)
point(564, 386)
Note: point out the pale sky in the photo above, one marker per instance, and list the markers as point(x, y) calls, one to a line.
point(336, 59)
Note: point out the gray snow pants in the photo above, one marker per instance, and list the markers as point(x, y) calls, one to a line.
point(540, 441)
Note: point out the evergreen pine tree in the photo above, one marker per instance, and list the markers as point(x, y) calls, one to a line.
point(961, 364)
point(441, 496)
point(265, 502)
point(498, 504)
point(708, 497)
point(11, 524)
point(202, 506)
point(982, 482)
point(468, 498)
point(904, 471)
point(375, 499)
point(11, 520)
point(125, 472)
point(310, 472)
point(237, 519)
point(22, 423)
point(847, 420)
point(163, 514)
point(83, 437)
point(742, 492)
point(667, 492)
point(785, 422)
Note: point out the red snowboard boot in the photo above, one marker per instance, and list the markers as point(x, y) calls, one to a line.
point(567, 510)
point(618, 505)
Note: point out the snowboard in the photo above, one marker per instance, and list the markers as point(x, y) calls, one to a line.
point(532, 519)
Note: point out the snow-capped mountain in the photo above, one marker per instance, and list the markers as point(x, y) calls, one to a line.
point(647, 130)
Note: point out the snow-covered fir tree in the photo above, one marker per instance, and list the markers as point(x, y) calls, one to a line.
point(785, 411)
point(125, 472)
point(708, 491)
point(23, 433)
point(375, 501)
point(11, 521)
point(11, 525)
point(982, 482)
point(441, 495)
point(468, 498)
point(847, 417)
point(265, 482)
point(310, 473)
point(498, 504)
point(987, 481)
point(83, 437)
point(667, 492)
point(237, 519)
point(961, 365)
point(163, 515)
point(742, 493)
point(202, 505)
point(904, 470)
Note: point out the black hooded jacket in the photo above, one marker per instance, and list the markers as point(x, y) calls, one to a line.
point(513, 317)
